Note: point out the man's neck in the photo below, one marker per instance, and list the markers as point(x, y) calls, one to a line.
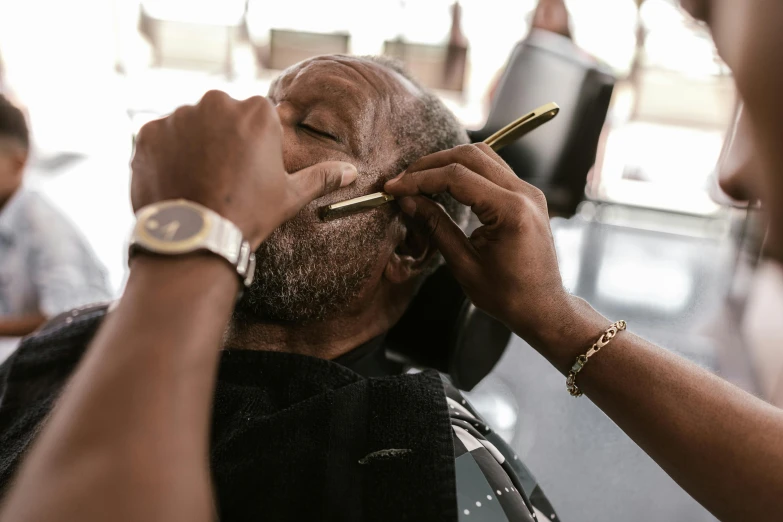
point(326, 339)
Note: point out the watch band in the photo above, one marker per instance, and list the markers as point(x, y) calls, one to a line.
point(225, 240)
point(217, 235)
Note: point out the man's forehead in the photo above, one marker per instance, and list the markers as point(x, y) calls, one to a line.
point(360, 76)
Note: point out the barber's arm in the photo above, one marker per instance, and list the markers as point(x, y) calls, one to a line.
point(128, 439)
point(721, 444)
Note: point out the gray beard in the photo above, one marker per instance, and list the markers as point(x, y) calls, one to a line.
point(310, 272)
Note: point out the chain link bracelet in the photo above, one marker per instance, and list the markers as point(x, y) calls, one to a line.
point(602, 341)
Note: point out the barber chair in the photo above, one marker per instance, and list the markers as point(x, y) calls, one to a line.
point(443, 330)
point(557, 157)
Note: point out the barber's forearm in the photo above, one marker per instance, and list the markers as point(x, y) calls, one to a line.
point(20, 326)
point(129, 436)
point(721, 444)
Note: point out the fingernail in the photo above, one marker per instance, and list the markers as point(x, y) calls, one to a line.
point(408, 206)
point(349, 174)
point(396, 178)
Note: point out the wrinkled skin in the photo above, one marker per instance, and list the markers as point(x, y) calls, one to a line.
point(336, 108)
point(355, 274)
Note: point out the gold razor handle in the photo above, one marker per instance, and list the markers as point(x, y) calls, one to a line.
point(518, 128)
point(508, 134)
point(351, 206)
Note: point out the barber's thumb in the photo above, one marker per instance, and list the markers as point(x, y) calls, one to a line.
point(322, 178)
point(447, 236)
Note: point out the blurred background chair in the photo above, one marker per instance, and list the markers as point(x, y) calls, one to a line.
point(438, 66)
point(289, 47)
point(435, 66)
point(556, 158)
point(195, 41)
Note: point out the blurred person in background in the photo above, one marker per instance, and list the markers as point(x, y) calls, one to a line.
point(46, 266)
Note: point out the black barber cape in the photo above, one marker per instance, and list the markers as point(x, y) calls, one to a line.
point(301, 438)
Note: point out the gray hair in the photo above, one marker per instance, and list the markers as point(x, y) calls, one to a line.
point(433, 128)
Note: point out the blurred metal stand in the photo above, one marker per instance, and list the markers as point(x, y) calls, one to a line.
point(287, 48)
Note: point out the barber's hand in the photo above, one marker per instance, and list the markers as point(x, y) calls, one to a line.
point(508, 267)
point(227, 155)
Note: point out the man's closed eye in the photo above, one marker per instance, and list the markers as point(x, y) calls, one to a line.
point(318, 132)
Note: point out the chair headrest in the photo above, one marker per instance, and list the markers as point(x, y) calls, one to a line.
point(443, 330)
point(557, 157)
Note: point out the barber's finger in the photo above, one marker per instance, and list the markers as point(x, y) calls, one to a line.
point(447, 236)
point(464, 185)
point(474, 158)
point(489, 151)
point(320, 179)
point(514, 183)
point(520, 184)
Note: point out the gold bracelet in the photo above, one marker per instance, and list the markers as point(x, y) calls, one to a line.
point(602, 341)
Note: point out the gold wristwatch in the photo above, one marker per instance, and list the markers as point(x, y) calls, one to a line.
point(179, 226)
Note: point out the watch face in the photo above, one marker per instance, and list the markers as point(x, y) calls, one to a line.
point(174, 224)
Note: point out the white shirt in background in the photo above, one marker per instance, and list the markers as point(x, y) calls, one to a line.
point(46, 265)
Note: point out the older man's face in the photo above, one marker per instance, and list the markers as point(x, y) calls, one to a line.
point(331, 108)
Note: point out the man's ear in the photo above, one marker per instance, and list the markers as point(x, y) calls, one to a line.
point(411, 255)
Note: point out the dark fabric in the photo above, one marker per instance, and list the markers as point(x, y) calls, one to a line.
point(30, 381)
point(319, 437)
point(294, 437)
point(490, 487)
point(297, 438)
point(369, 360)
